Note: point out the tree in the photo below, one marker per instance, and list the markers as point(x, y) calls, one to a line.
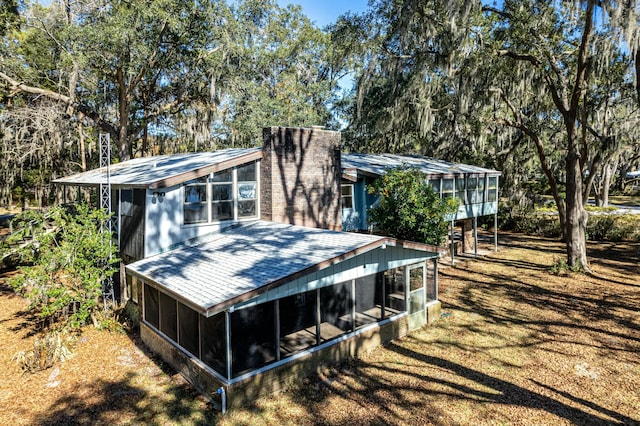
point(500, 87)
point(68, 262)
point(161, 77)
point(559, 52)
point(409, 209)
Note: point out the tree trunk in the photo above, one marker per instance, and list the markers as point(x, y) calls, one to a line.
point(124, 151)
point(576, 215)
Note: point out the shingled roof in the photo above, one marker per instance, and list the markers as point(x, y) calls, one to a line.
point(244, 260)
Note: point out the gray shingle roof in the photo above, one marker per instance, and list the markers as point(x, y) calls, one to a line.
point(245, 258)
point(379, 164)
point(146, 171)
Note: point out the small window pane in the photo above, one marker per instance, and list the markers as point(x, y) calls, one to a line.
point(222, 192)
point(416, 278)
point(394, 291)
point(195, 213)
point(195, 193)
point(472, 183)
point(222, 176)
point(221, 210)
point(493, 181)
point(247, 173)
point(347, 196)
point(481, 184)
point(246, 208)
point(435, 184)
point(195, 201)
point(246, 191)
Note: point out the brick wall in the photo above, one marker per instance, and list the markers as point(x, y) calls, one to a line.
point(300, 177)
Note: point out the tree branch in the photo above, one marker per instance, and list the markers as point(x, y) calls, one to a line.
point(85, 109)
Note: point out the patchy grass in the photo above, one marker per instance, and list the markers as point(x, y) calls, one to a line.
point(517, 345)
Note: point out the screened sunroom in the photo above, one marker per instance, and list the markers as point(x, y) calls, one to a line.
point(262, 296)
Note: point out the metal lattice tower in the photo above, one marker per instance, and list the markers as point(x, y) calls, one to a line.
point(105, 204)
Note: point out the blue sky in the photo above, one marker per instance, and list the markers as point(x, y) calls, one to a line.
point(325, 12)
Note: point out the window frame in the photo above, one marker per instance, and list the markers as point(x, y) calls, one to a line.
point(234, 187)
point(344, 196)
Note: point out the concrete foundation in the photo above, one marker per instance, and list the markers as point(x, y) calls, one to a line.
point(274, 380)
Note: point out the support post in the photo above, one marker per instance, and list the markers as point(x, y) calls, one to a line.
point(227, 332)
point(475, 236)
point(276, 306)
point(318, 317)
point(495, 231)
point(452, 244)
point(435, 276)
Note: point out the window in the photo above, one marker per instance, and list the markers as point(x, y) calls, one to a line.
point(253, 338)
point(416, 289)
point(335, 311)
point(247, 190)
point(472, 185)
point(447, 188)
point(213, 348)
point(222, 196)
point(151, 314)
point(394, 291)
point(479, 194)
point(168, 316)
point(225, 195)
point(435, 184)
point(460, 190)
point(195, 201)
point(368, 299)
point(492, 189)
point(126, 202)
point(347, 196)
point(188, 330)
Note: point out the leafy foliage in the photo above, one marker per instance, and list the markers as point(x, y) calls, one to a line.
point(409, 208)
point(67, 267)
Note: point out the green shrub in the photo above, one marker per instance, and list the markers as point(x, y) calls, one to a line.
point(66, 268)
point(408, 208)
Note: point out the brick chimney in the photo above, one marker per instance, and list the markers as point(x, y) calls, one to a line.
point(300, 177)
